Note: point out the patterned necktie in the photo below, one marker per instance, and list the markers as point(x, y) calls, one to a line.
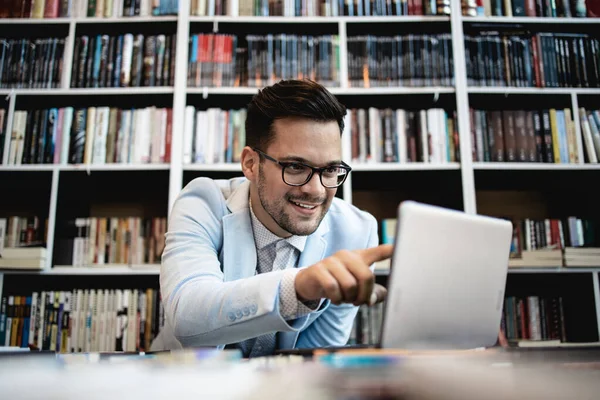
point(285, 257)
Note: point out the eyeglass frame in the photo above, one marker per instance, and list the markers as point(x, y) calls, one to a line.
point(285, 164)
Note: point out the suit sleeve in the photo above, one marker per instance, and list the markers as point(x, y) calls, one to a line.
point(334, 325)
point(201, 308)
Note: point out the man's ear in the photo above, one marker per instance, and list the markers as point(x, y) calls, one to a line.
point(250, 161)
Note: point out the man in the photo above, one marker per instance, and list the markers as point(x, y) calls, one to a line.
point(272, 260)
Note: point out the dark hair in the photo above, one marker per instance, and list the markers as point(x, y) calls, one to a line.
point(289, 98)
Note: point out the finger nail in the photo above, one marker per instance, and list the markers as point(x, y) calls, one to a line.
point(373, 299)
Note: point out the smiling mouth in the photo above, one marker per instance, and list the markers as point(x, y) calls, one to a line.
point(304, 205)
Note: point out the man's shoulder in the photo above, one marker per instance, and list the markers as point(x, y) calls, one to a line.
point(210, 193)
point(344, 214)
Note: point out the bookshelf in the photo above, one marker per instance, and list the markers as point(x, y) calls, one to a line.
point(150, 188)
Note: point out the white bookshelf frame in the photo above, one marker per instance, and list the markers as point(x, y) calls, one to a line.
point(180, 92)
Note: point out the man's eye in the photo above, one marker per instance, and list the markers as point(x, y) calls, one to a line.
point(296, 167)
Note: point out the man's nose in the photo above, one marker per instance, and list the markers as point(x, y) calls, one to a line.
point(313, 186)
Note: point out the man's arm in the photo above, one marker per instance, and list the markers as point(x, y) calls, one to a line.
point(334, 325)
point(201, 308)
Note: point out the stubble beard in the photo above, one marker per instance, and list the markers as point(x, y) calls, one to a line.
point(276, 210)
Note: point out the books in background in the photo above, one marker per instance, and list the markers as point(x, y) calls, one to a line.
point(94, 135)
point(22, 242)
point(82, 320)
point(401, 60)
point(221, 60)
point(402, 136)
point(87, 8)
point(97, 241)
point(366, 328)
point(568, 242)
point(527, 8)
point(31, 63)
point(534, 318)
point(311, 8)
point(3, 123)
point(22, 231)
point(213, 135)
point(590, 130)
point(547, 136)
point(129, 60)
point(525, 59)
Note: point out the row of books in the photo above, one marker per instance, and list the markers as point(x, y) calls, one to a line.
point(98, 241)
point(82, 320)
point(213, 135)
point(531, 8)
point(403, 136)
point(31, 63)
point(86, 8)
point(217, 60)
point(312, 8)
point(400, 60)
point(22, 230)
point(558, 233)
point(366, 328)
point(123, 61)
point(534, 318)
point(93, 135)
point(547, 135)
point(526, 59)
point(131, 60)
point(552, 242)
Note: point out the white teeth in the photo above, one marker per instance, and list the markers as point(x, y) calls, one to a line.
point(303, 205)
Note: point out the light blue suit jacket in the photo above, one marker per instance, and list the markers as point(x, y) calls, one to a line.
point(210, 292)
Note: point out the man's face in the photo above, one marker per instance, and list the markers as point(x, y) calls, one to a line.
point(317, 144)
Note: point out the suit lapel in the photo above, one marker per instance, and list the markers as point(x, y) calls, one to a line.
point(239, 249)
point(314, 250)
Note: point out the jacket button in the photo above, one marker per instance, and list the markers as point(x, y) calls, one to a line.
point(253, 308)
point(231, 316)
point(246, 311)
point(238, 313)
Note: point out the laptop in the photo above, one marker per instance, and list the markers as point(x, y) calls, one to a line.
point(447, 281)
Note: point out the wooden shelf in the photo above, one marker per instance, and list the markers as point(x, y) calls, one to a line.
point(318, 19)
point(112, 269)
point(529, 90)
point(404, 167)
point(499, 166)
point(530, 20)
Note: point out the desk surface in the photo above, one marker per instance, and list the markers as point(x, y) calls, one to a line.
point(362, 374)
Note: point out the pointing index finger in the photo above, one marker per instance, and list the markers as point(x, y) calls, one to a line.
point(377, 253)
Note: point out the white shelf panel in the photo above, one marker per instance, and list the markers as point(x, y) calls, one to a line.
point(34, 21)
point(110, 269)
point(533, 270)
point(28, 168)
point(115, 167)
point(499, 166)
point(552, 270)
point(89, 91)
point(85, 167)
point(236, 167)
point(392, 90)
point(531, 20)
point(530, 90)
point(120, 20)
point(125, 20)
point(334, 90)
point(320, 20)
point(404, 167)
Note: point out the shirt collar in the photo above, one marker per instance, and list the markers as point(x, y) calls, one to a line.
point(264, 237)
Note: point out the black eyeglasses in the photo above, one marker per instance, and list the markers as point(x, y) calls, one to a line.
point(295, 173)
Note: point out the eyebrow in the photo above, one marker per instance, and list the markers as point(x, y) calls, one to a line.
point(305, 161)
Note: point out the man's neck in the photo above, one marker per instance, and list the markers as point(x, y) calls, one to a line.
point(264, 217)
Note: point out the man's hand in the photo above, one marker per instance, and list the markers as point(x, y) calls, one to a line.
point(344, 277)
